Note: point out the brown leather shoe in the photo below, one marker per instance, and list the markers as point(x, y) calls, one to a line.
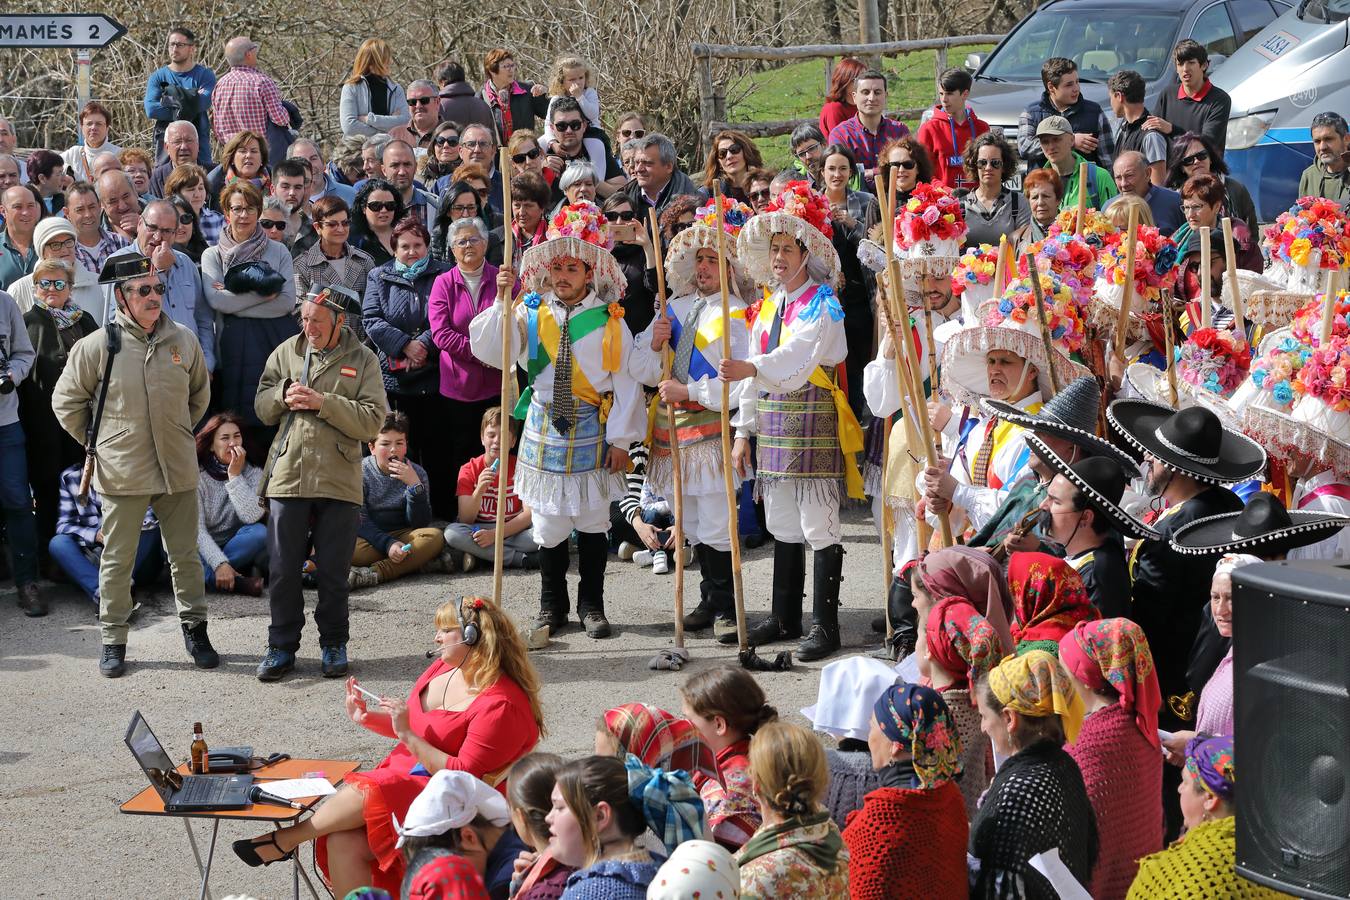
point(31, 601)
point(249, 587)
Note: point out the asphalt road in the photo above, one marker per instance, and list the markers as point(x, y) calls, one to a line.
point(64, 769)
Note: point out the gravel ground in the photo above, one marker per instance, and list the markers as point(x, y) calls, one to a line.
point(66, 747)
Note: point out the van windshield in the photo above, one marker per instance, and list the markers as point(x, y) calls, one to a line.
point(1101, 42)
point(1326, 11)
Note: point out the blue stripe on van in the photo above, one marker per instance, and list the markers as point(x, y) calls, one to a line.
point(1271, 169)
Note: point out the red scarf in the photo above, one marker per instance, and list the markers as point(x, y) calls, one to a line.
point(1048, 598)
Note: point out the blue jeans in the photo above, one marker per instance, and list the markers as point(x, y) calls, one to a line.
point(17, 500)
point(247, 547)
point(71, 557)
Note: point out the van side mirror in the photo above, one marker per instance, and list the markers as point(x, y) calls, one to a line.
point(974, 61)
point(1215, 60)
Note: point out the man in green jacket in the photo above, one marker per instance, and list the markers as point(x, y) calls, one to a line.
point(158, 388)
point(330, 387)
point(1056, 138)
point(1329, 174)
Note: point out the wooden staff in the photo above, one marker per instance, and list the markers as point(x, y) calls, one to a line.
point(508, 322)
point(1035, 279)
point(932, 348)
point(887, 557)
point(727, 472)
point(1169, 342)
point(1230, 265)
point(1079, 225)
point(1329, 307)
point(1000, 265)
point(676, 472)
point(1126, 301)
point(1206, 280)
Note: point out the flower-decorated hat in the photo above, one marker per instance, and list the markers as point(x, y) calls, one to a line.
point(577, 231)
point(1311, 236)
point(702, 235)
point(1070, 258)
point(1155, 271)
point(1012, 323)
point(1262, 527)
point(973, 278)
point(800, 212)
point(1097, 228)
point(929, 231)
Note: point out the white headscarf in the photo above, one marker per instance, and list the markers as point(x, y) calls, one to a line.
point(1230, 561)
point(697, 870)
point(451, 800)
point(848, 688)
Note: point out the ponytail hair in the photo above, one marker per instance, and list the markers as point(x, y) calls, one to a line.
point(587, 783)
point(529, 789)
point(731, 693)
point(788, 769)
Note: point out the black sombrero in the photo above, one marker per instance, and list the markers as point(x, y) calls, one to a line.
point(1192, 441)
point(1102, 481)
point(1263, 528)
point(1071, 414)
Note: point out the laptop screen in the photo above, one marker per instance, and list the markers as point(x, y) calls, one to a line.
point(149, 752)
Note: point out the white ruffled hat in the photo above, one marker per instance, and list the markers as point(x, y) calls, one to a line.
point(800, 212)
point(577, 231)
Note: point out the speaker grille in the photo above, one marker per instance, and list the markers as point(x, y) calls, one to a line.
point(1292, 704)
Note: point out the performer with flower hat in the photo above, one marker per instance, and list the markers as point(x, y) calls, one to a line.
point(582, 409)
point(693, 327)
point(808, 436)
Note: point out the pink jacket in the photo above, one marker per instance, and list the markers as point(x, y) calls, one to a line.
point(449, 310)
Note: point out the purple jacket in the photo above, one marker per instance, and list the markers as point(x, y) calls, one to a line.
point(449, 310)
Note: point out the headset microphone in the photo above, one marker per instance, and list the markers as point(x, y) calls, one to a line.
point(436, 650)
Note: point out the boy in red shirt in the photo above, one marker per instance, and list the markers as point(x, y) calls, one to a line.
point(474, 533)
point(952, 126)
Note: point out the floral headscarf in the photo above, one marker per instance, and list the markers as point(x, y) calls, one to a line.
point(975, 575)
point(1115, 652)
point(1048, 600)
point(962, 641)
point(670, 803)
point(1035, 684)
point(1210, 761)
point(661, 740)
point(450, 877)
point(917, 717)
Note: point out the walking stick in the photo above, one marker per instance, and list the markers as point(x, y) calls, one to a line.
point(508, 323)
point(1206, 280)
point(676, 472)
point(1126, 301)
point(1230, 264)
point(1329, 308)
point(1169, 343)
point(1035, 279)
point(1079, 225)
point(887, 557)
point(733, 521)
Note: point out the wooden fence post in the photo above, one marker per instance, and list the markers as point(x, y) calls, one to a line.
point(939, 62)
point(829, 72)
point(707, 100)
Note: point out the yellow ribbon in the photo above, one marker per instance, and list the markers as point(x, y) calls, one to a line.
point(611, 358)
point(850, 432)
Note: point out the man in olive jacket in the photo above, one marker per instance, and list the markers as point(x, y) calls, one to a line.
point(313, 479)
point(158, 389)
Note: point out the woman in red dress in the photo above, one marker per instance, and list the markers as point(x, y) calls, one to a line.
point(475, 709)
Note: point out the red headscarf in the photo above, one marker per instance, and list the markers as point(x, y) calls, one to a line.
point(450, 877)
point(1048, 598)
point(962, 641)
point(661, 740)
point(1115, 652)
point(975, 575)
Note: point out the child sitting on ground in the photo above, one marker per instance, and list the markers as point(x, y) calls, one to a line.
point(77, 546)
point(475, 532)
point(393, 539)
point(642, 523)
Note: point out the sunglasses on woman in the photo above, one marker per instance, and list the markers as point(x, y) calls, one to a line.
point(621, 215)
point(382, 206)
point(1194, 158)
point(907, 165)
point(146, 290)
point(633, 134)
point(759, 196)
point(52, 284)
point(982, 164)
point(520, 158)
point(728, 152)
point(272, 224)
point(446, 140)
point(678, 227)
point(183, 219)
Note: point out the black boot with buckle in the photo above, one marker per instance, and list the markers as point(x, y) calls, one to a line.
point(823, 639)
point(553, 601)
point(904, 622)
point(784, 623)
point(592, 556)
point(701, 616)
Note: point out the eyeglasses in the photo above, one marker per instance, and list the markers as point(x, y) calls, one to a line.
point(146, 290)
point(982, 164)
point(446, 141)
point(336, 223)
point(1193, 209)
point(759, 196)
point(155, 229)
point(465, 243)
point(520, 158)
point(907, 165)
point(475, 145)
point(465, 209)
point(727, 152)
point(482, 192)
point(52, 284)
point(242, 210)
point(1194, 158)
point(420, 101)
point(181, 44)
point(272, 224)
point(62, 244)
point(806, 152)
point(568, 125)
point(678, 227)
point(621, 215)
point(635, 133)
point(382, 206)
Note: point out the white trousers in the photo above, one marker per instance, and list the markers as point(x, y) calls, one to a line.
point(706, 521)
point(798, 511)
point(550, 531)
point(904, 535)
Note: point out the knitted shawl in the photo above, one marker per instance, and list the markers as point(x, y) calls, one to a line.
point(1199, 866)
point(975, 755)
point(907, 844)
point(1123, 775)
point(1036, 801)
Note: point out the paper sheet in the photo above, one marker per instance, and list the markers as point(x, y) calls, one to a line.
point(299, 788)
point(1061, 879)
point(908, 669)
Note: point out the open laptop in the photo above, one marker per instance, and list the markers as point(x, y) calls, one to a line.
point(183, 793)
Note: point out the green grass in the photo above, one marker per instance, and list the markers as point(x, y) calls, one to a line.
point(797, 90)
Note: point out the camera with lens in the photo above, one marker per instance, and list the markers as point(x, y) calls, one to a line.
point(6, 376)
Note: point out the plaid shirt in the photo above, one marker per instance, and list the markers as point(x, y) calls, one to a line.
point(866, 145)
point(211, 224)
point(93, 258)
point(83, 522)
point(244, 100)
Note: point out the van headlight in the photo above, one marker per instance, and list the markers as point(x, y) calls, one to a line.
point(1245, 131)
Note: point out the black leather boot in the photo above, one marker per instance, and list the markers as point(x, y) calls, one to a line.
point(553, 601)
point(789, 583)
point(592, 555)
point(721, 594)
point(823, 640)
point(701, 616)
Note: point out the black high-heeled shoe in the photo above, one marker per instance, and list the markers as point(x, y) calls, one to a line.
point(247, 850)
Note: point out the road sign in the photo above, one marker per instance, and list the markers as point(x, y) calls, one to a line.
point(66, 32)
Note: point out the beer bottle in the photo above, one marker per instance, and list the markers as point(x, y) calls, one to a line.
point(201, 764)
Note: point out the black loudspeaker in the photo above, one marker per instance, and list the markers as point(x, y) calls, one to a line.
point(1291, 674)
